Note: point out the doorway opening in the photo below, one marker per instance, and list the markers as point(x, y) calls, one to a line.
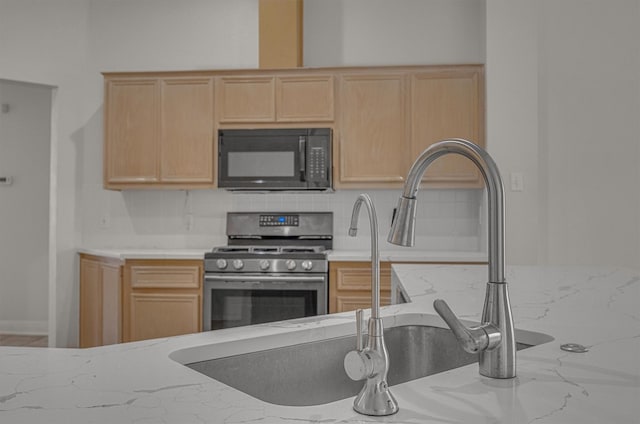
point(26, 111)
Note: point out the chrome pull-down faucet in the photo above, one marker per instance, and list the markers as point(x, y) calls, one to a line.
point(494, 339)
point(371, 362)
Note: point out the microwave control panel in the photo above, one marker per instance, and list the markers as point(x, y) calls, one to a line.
point(318, 148)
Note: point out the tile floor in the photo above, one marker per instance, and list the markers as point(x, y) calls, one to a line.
point(21, 340)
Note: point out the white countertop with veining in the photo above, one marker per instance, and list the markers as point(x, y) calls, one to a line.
point(397, 255)
point(139, 383)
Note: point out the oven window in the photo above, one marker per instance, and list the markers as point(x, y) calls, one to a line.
point(234, 308)
point(261, 164)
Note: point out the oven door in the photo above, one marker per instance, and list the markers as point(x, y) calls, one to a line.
point(236, 300)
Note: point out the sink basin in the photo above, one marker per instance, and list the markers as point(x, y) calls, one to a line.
point(312, 373)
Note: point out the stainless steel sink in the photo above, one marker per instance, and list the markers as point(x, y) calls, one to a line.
point(313, 374)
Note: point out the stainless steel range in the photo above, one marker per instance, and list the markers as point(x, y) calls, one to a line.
point(274, 268)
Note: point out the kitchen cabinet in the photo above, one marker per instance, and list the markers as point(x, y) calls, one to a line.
point(246, 99)
point(388, 116)
point(158, 132)
point(100, 301)
point(161, 298)
point(350, 285)
point(161, 128)
point(447, 103)
point(372, 130)
point(275, 98)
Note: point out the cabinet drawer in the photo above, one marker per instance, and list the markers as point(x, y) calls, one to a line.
point(165, 277)
point(351, 302)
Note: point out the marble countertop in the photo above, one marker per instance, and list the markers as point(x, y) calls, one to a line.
point(396, 255)
point(140, 383)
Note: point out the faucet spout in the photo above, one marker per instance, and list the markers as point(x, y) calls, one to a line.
point(403, 227)
point(375, 252)
point(494, 339)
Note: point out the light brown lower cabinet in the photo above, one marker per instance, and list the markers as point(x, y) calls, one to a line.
point(100, 301)
point(350, 285)
point(123, 301)
point(162, 298)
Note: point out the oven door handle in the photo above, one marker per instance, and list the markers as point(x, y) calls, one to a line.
point(265, 278)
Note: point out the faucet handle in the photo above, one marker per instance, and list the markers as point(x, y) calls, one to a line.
point(472, 339)
point(359, 330)
point(357, 363)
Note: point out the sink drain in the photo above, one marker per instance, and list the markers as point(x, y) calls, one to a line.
point(574, 347)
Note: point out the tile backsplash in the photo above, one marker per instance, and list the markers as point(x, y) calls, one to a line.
point(447, 220)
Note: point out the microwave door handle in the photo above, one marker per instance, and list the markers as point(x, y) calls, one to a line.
point(302, 150)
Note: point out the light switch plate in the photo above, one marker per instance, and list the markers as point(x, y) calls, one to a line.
point(517, 181)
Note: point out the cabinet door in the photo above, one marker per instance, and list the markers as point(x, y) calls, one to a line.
point(372, 131)
point(131, 131)
point(187, 130)
point(304, 98)
point(111, 304)
point(448, 104)
point(246, 99)
point(156, 315)
point(162, 298)
point(90, 303)
point(350, 285)
point(100, 302)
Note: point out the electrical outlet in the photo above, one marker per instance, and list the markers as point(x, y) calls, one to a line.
point(105, 221)
point(188, 222)
point(517, 181)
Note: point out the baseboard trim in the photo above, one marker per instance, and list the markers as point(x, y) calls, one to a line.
point(26, 328)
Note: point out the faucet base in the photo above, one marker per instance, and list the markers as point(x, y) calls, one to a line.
point(500, 361)
point(375, 399)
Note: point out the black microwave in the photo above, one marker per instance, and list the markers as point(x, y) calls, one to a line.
point(275, 159)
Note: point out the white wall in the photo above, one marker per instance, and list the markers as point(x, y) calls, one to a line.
point(66, 43)
point(512, 119)
point(399, 32)
point(563, 84)
point(24, 215)
point(590, 129)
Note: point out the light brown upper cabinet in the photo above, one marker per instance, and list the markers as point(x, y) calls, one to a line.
point(246, 99)
point(161, 128)
point(372, 131)
point(158, 132)
point(275, 98)
point(388, 118)
point(447, 103)
point(305, 98)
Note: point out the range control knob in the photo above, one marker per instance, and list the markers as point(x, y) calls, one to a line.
point(221, 263)
point(291, 265)
point(238, 264)
point(264, 264)
point(307, 265)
